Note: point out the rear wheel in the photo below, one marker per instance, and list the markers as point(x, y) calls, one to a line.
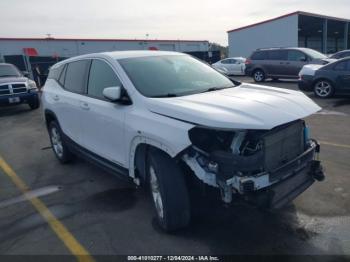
point(259, 75)
point(59, 146)
point(168, 191)
point(323, 89)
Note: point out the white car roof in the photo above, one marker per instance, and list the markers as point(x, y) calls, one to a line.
point(119, 55)
point(129, 54)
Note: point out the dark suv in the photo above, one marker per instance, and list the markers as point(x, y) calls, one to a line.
point(281, 62)
point(15, 88)
point(341, 54)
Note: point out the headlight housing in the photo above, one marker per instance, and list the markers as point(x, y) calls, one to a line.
point(31, 85)
point(210, 140)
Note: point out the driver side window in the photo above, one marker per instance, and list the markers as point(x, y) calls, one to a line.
point(101, 76)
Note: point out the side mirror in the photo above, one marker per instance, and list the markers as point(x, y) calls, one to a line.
point(112, 93)
point(303, 59)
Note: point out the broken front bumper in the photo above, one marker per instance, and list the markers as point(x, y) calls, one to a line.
point(274, 188)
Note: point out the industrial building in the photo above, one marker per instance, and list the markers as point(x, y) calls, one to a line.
point(40, 53)
point(298, 29)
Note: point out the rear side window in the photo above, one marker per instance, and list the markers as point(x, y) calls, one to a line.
point(228, 61)
point(278, 55)
point(101, 76)
point(63, 75)
point(259, 55)
point(75, 79)
point(55, 73)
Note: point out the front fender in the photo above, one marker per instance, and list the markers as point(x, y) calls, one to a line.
point(166, 134)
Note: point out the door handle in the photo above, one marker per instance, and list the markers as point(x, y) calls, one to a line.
point(84, 105)
point(56, 97)
point(281, 63)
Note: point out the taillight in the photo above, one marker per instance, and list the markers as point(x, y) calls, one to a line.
point(248, 61)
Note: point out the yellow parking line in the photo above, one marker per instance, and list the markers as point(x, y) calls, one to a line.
point(61, 231)
point(334, 144)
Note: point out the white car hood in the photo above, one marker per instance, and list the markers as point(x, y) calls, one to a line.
point(247, 106)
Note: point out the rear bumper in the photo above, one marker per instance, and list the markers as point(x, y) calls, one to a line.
point(248, 71)
point(23, 98)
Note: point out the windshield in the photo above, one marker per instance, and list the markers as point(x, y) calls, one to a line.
point(8, 70)
point(314, 54)
point(172, 75)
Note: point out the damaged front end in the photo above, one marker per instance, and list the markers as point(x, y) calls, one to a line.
point(270, 167)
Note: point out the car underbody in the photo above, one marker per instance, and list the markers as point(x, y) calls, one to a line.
point(270, 167)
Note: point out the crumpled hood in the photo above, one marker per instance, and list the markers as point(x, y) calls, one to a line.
point(247, 106)
point(4, 80)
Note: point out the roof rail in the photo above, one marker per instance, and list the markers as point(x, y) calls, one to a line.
point(276, 47)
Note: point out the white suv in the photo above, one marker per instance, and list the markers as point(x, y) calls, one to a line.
point(167, 120)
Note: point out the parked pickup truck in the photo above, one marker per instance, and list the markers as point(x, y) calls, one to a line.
point(160, 118)
point(16, 88)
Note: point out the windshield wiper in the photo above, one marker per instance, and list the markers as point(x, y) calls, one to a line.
point(211, 89)
point(165, 95)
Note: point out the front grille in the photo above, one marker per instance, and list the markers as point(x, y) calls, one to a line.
point(297, 165)
point(19, 88)
point(9, 89)
point(283, 144)
point(4, 90)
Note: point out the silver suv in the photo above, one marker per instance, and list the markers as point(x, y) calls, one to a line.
point(278, 63)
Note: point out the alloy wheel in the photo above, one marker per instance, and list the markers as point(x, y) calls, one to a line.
point(323, 89)
point(157, 197)
point(258, 76)
point(56, 142)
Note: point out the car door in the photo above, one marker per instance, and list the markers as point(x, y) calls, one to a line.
point(276, 62)
point(67, 98)
point(103, 120)
point(342, 70)
point(295, 62)
point(236, 66)
point(227, 64)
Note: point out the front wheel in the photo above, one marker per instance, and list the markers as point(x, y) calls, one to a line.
point(168, 191)
point(35, 104)
point(259, 75)
point(323, 89)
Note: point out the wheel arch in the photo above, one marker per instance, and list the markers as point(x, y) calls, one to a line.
point(49, 117)
point(139, 150)
point(323, 78)
point(259, 68)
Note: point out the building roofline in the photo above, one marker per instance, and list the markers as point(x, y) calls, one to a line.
point(95, 39)
point(287, 15)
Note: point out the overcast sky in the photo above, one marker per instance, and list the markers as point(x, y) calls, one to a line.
point(161, 19)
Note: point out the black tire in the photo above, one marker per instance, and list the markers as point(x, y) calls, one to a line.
point(323, 88)
point(63, 155)
point(172, 189)
point(259, 76)
point(34, 104)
